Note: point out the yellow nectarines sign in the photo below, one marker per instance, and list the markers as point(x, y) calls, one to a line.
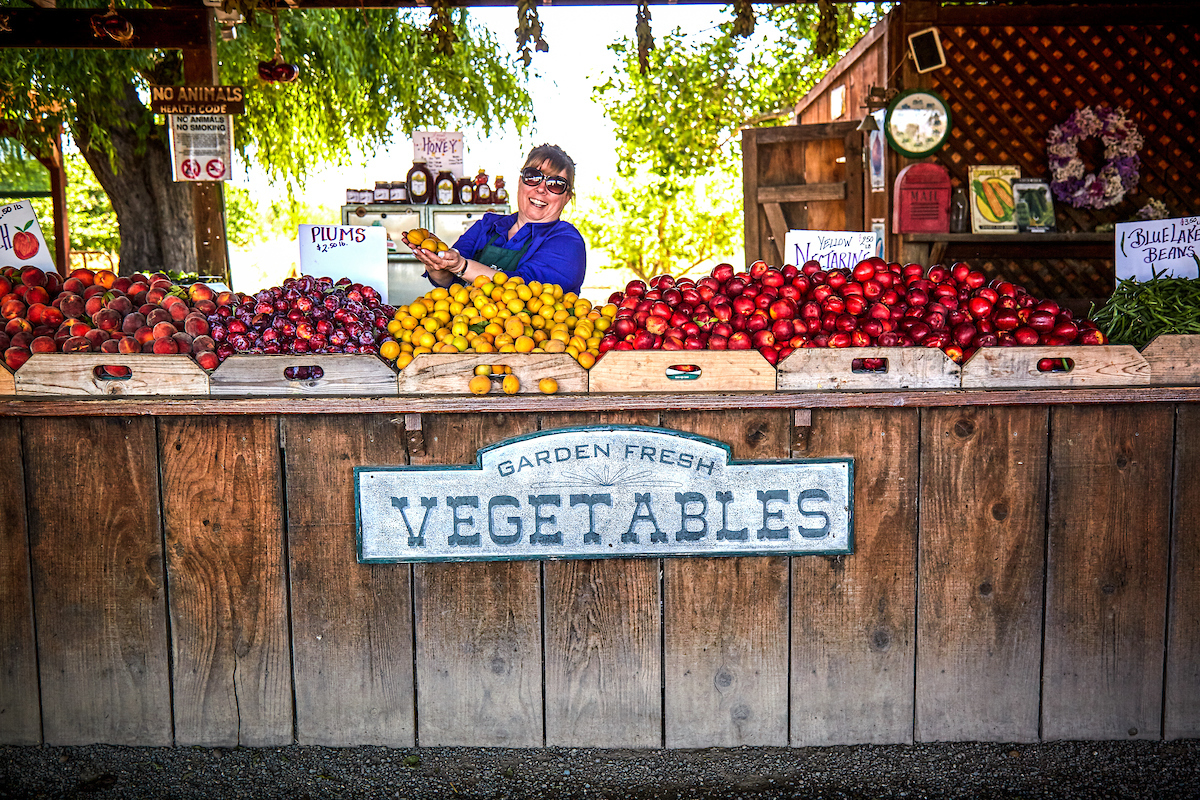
point(604, 492)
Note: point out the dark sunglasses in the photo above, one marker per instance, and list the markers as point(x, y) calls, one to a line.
point(532, 176)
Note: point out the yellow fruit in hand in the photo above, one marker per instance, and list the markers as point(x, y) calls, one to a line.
point(511, 384)
point(480, 384)
point(548, 386)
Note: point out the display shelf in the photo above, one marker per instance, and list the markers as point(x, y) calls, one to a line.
point(960, 246)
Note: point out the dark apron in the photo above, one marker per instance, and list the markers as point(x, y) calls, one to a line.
point(500, 259)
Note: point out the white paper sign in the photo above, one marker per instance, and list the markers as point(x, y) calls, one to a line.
point(21, 240)
point(832, 249)
point(442, 150)
point(356, 252)
point(1170, 246)
point(201, 146)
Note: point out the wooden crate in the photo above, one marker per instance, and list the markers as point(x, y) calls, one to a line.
point(659, 371)
point(345, 375)
point(822, 368)
point(76, 374)
point(1017, 367)
point(449, 373)
point(1174, 360)
point(8, 381)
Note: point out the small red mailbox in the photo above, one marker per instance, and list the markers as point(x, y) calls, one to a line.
point(921, 199)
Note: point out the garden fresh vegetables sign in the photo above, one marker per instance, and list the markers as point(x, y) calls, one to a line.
point(21, 242)
point(1166, 247)
point(604, 492)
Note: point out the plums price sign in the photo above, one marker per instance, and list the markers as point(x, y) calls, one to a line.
point(201, 146)
point(604, 492)
point(21, 241)
point(357, 252)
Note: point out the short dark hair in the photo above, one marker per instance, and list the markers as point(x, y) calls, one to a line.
point(556, 157)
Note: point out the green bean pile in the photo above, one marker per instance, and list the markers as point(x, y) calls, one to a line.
point(1139, 311)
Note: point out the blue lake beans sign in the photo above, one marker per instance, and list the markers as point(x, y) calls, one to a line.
point(604, 492)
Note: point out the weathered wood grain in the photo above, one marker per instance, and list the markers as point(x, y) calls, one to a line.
point(1174, 360)
point(99, 598)
point(449, 373)
point(1017, 367)
point(75, 374)
point(1182, 689)
point(646, 371)
point(351, 623)
point(8, 381)
point(603, 642)
point(823, 369)
point(726, 619)
point(20, 711)
point(853, 616)
point(478, 626)
point(343, 375)
point(1106, 572)
point(223, 515)
point(982, 554)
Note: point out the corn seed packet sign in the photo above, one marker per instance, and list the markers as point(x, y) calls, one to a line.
point(604, 492)
point(21, 240)
point(991, 198)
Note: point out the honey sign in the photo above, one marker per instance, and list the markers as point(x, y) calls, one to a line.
point(604, 492)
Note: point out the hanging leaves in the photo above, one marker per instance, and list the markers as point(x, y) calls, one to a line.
point(441, 28)
point(743, 21)
point(826, 40)
point(529, 29)
point(645, 40)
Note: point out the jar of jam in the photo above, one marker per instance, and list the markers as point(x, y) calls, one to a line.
point(383, 192)
point(419, 183)
point(399, 192)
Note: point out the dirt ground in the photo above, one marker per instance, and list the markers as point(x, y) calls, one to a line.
point(1122, 770)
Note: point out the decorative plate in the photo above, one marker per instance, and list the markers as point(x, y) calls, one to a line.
point(917, 123)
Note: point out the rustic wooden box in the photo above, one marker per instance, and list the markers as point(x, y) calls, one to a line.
point(682, 371)
point(1174, 360)
point(1017, 367)
point(349, 375)
point(822, 368)
point(449, 373)
point(8, 381)
point(78, 374)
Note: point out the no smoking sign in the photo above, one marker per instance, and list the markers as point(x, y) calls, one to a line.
point(201, 146)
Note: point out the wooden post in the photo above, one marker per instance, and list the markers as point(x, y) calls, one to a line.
point(208, 198)
point(53, 161)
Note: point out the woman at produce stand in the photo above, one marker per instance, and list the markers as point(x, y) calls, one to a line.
point(533, 243)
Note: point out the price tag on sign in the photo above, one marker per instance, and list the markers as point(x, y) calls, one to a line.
point(21, 241)
point(201, 146)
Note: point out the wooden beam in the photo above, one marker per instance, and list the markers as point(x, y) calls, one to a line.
point(803, 133)
point(1026, 16)
point(802, 193)
point(53, 161)
point(175, 28)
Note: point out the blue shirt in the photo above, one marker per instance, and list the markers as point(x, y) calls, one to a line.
point(556, 253)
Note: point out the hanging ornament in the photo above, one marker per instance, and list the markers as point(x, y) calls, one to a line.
point(441, 27)
point(277, 70)
point(112, 25)
point(826, 40)
point(743, 20)
point(529, 29)
point(645, 40)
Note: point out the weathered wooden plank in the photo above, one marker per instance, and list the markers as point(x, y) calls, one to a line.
point(1182, 690)
point(823, 369)
point(853, 616)
point(982, 553)
point(802, 193)
point(603, 662)
point(351, 623)
point(449, 373)
point(76, 374)
point(726, 619)
point(1017, 367)
point(651, 371)
point(1174, 360)
point(478, 625)
point(20, 711)
point(1106, 575)
point(343, 375)
point(223, 515)
point(99, 599)
point(72, 28)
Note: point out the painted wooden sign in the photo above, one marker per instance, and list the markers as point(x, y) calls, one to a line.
point(604, 492)
point(197, 99)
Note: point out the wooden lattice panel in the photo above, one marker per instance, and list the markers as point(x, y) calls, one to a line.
point(1008, 86)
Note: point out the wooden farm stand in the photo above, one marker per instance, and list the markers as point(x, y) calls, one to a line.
point(182, 571)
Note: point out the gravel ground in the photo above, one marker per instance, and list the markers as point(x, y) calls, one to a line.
point(1054, 770)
